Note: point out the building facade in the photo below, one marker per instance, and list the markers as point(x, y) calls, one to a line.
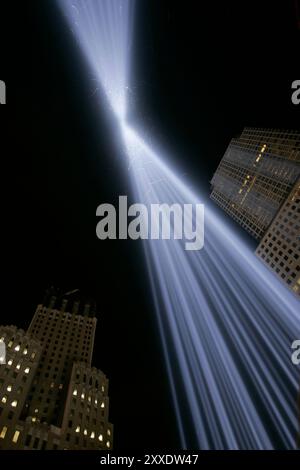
point(256, 175)
point(257, 183)
point(50, 395)
point(279, 248)
point(16, 377)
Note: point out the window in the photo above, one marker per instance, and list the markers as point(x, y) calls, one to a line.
point(27, 370)
point(100, 437)
point(3, 432)
point(14, 403)
point(16, 437)
point(77, 429)
point(4, 399)
point(9, 388)
point(44, 444)
point(75, 393)
point(36, 443)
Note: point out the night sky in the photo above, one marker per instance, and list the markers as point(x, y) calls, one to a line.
point(201, 72)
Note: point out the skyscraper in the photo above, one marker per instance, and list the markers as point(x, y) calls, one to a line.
point(279, 248)
point(50, 395)
point(257, 183)
point(256, 175)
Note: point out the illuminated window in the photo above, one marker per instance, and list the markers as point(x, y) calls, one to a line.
point(108, 432)
point(82, 396)
point(3, 432)
point(77, 429)
point(16, 437)
point(25, 351)
point(9, 388)
point(60, 386)
point(10, 344)
point(89, 399)
point(4, 399)
point(27, 370)
point(18, 366)
point(96, 401)
point(33, 355)
point(75, 393)
point(100, 437)
point(93, 435)
point(33, 419)
point(102, 388)
point(10, 362)
point(14, 403)
point(36, 410)
point(102, 405)
point(17, 348)
point(85, 432)
point(108, 444)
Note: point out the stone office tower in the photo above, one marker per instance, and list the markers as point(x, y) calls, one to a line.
point(279, 248)
point(50, 395)
point(256, 175)
point(258, 184)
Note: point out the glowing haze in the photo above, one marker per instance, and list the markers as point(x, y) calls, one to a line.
point(226, 323)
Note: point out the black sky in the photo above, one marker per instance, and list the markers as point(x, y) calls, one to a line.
point(201, 72)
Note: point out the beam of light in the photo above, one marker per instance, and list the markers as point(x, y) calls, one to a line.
point(105, 48)
point(225, 322)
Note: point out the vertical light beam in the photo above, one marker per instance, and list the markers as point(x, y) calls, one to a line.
point(225, 322)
